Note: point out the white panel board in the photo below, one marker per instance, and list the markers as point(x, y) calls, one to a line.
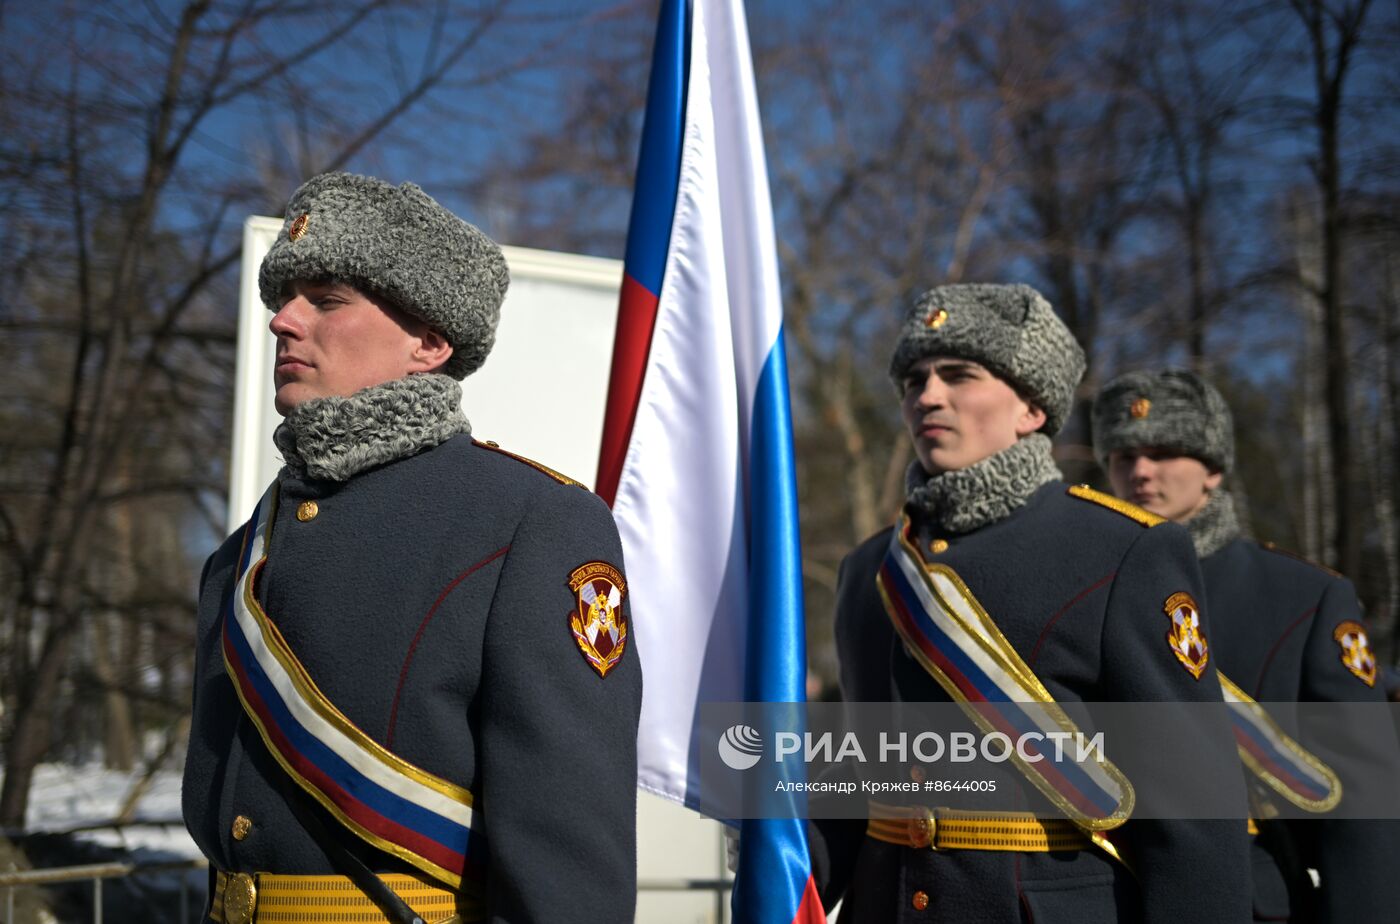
point(542, 391)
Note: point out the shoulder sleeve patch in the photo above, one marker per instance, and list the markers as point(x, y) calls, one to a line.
point(1356, 653)
point(1185, 637)
point(597, 623)
point(537, 466)
point(1131, 511)
point(1270, 547)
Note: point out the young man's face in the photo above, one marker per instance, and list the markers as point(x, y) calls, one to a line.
point(958, 413)
point(1162, 481)
point(333, 340)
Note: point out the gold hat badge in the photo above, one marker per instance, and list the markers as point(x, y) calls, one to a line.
point(936, 318)
point(1140, 408)
point(298, 229)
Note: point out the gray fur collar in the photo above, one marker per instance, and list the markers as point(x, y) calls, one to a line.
point(1216, 526)
point(334, 439)
point(985, 492)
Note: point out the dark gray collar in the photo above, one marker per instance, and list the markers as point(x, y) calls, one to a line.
point(1216, 526)
point(334, 439)
point(990, 490)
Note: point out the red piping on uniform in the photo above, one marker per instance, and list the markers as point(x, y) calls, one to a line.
point(1064, 609)
point(422, 627)
point(1020, 894)
point(1259, 681)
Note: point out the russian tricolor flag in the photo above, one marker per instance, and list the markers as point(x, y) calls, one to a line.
point(696, 458)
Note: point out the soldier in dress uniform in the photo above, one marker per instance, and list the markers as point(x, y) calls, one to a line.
point(1091, 598)
point(1286, 630)
point(415, 691)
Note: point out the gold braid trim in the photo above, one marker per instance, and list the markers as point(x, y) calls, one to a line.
point(538, 466)
point(1131, 511)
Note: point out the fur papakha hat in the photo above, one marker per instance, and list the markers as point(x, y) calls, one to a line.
point(398, 243)
point(1010, 329)
point(1173, 409)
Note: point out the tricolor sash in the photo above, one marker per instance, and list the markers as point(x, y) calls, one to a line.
point(1276, 759)
point(391, 804)
point(947, 631)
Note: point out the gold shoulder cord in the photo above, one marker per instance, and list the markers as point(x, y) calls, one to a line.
point(1131, 511)
point(538, 466)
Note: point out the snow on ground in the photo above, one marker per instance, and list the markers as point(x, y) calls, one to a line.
point(65, 796)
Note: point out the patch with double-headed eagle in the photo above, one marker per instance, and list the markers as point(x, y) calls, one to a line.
point(599, 628)
point(1357, 656)
point(1185, 637)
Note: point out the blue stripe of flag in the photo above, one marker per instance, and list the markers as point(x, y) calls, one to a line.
point(774, 859)
point(659, 163)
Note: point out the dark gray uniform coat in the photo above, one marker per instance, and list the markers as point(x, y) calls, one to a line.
point(1078, 590)
point(428, 600)
point(1275, 616)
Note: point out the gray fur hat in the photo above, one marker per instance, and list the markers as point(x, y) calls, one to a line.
point(398, 243)
point(1010, 329)
point(1172, 409)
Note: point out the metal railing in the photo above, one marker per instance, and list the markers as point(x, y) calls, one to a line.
point(10, 882)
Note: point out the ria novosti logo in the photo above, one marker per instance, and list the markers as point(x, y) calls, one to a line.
point(740, 747)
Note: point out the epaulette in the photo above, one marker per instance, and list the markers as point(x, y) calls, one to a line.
point(538, 466)
point(1117, 505)
point(1269, 546)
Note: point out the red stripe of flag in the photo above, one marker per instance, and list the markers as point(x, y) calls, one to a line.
point(648, 240)
point(636, 318)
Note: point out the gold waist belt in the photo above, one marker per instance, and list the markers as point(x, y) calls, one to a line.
point(951, 829)
point(269, 898)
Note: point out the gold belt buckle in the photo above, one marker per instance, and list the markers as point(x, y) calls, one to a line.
point(923, 829)
point(240, 899)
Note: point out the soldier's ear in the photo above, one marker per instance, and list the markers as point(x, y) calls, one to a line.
point(1031, 420)
point(1213, 480)
point(431, 352)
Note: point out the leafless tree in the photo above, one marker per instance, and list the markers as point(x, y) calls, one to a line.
point(1334, 32)
point(137, 138)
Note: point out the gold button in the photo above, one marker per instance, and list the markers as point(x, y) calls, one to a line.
point(307, 511)
point(242, 826)
point(493, 444)
point(939, 546)
point(916, 773)
point(240, 898)
point(920, 901)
